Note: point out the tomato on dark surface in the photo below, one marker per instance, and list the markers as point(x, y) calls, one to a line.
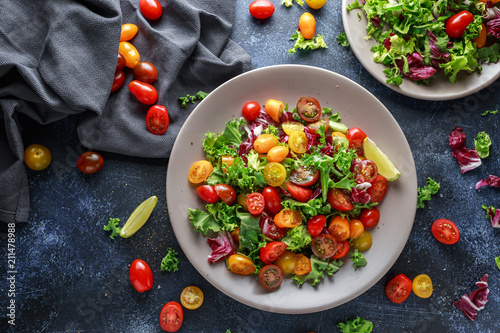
point(309, 109)
point(339, 200)
point(378, 188)
point(120, 62)
point(207, 193)
point(323, 121)
point(37, 157)
point(457, 24)
point(316, 224)
point(226, 192)
point(261, 9)
point(145, 72)
point(365, 171)
point(144, 92)
point(304, 176)
point(255, 203)
point(151, 9)
point(272, 199)
point(250, 110)
point(445, 231)
point(272, 251)
point(171, 317)
point(324, 246)
point(118, 81)
point(369, 217)
point(270, 276)
point(399, 288)
point(89, 162)
point(140, 275)
point(300, 193)
point(157, 119)
point(342, 250)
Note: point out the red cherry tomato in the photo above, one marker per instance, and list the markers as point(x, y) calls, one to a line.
point(445, 231)
point(157, 119)
point(339, 200)
point(261, 9)
point(151, 9)
point(272, 251)
point(324, 246)
point(140, 275)
point(272, 199)
point(120, 62)
point(171, 317)
point(300, 193)
point(369, 217)
point(316, 225)
point(145, 72)
point(323, 121)
point(365, 171)
point(251, 110)
point(226, 192)
point(399, 288)
point(144, 92)
point(304, 176)
point(342, 250)
point(255, 203)
point(207, 193)
point(378, 188)
point(309, 109)
point(89, 162)
point(270, 277)
point(456, 24)
point(356, 137)
point(118, 81)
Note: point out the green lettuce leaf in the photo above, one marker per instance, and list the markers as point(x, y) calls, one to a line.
point(318, 268)
point(358, 325)
point(297, 238)
point(424, 193)
point(482, 143)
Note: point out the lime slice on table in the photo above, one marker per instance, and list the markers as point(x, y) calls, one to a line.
point(384, 165)
point(138, 217)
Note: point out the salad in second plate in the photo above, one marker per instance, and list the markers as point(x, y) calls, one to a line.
point(289, 193)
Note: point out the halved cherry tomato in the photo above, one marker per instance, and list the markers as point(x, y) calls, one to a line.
point(316, 224)
point(145, 72)
point(356, 228)
point(261, 9)
point(307, 25)
point(399, 288)
point(457, 24)
point(240, 264)
point(300, 193)
point(274, 109)
point(369, 217)
point(297, 141)
point(270, 277)
point(118, 80)
point(422, 286)
point(309, 109)
point(265, 142)
point(277, 153)
point(445, 231)
point(378, 188)
point(302, 265)
point(128, 32)
point(171, 317)
point(192, 297)
point(291, 126)
point(255, 203)
point(323, 121)
point(274, 174)
point(339, 200)
point(89, 162)
point(342, 250)
point(228, 160)
point(157, 120)
point(37, 157)
point(272, 251)
point(287, 262)
point(365, 171)
point(226, 192)
point(120, 62)
point(362, 243)
point(324, 246)
point(140, 275)
point(132, 56)
point(144, 92)
point(272, 199)
point(339, 228)
point(199, 171)
point(288, 218)
point(207, 193)
point(151, 9)
point(356, 137)
point(251, 110)
point(304, 176)
point(481, 39)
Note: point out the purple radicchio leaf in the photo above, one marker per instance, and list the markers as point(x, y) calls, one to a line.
point(437, 56)
point(467, 159)
point(416, 68)
point(493, 181)
point(494, 216)
point(222, 246)
point(472, 303)
point(493, 25)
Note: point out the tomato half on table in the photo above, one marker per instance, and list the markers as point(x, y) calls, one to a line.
point(157, 120)
point(270, 277)
point(339, 200)
point(272, 199)
point(89, 162)
point(445, 231)
point(191, 297)
point(226, 192)
point(261, 9)
point(207, 193)
point(140, 275)
point(378, 189)
point(324, 246)
point(316, 224)
point(255, 203)
point(171, 317)
point(422, 286)
point(342, 250)
point(356, 137)
point(399, 288)
point(272, 251)
point(300, 193)
point(304, 176)
point(250, 110)
point(199, 171)
point(309, 109)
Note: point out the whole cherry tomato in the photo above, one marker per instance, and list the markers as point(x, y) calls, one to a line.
point(226, 192)
point(89, 162)
point(151, 9)
point(272, 199)
point(456, 25)
point(132, 56)
point(145, 71)
point(140, 275)
point(307, 25)
point(251, 110)
point(37, 157)
point(261, 9)
point(369, 217)
point(207, 193)
point(120, 62)
point(118, 81)
point(144, 92)
point(272, 251)
point(157, 119)
point(316, 225)
point(128, 32)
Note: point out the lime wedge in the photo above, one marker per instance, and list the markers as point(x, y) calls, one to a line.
point(138, 217)
point(385, 167)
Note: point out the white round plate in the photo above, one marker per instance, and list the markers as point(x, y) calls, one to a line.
point(439, 89)
point(357, 107)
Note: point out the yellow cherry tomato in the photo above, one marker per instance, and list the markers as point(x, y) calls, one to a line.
point(199, 171)
point(307, 25)
point(128, 32)
point(274, 174)
point(239, 264)
point(274, 109)
point(363, 243)
point(287, 262)
point(192, 297)
point(339, 134)
point(356, 228)
point(132, 56)
point(422, 286)
point(277, 153)
point(315, 4)
point(290, 126)
point(37, 157)
point(298, 142)
point(265, 142)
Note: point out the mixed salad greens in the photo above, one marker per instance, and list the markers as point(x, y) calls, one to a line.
point(418, 38)
point(287, 193)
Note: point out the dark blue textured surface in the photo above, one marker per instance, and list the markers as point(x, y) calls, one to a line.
point(73, 278)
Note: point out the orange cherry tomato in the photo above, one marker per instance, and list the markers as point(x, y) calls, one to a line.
point(199, 171)
point(339, 228)
point(307, 25)
point(192, 297)
point(132, 56)
point(265, 142)
point(302, 265)
point(356, 228)
point(288, 218)
point(128, 32)
point(274, 109)
point(481, 39)
point(277, 153)
point(239, 264)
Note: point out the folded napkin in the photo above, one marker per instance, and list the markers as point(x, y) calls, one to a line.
point(58, 57)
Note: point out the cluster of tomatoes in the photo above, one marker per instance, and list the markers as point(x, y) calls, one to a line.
point(144, 73)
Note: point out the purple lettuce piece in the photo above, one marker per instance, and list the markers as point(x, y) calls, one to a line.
point(222, 246)
point(287, 116)
point(470, 304)
point(437, 56)
point(269, 228)
point(493, 25)
point(316, 193)
point(311, 138)
point(494, 215)
point(416, 68)
point(359, 195)
point(493, 181)
point(467, 159)
point(456, 139)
